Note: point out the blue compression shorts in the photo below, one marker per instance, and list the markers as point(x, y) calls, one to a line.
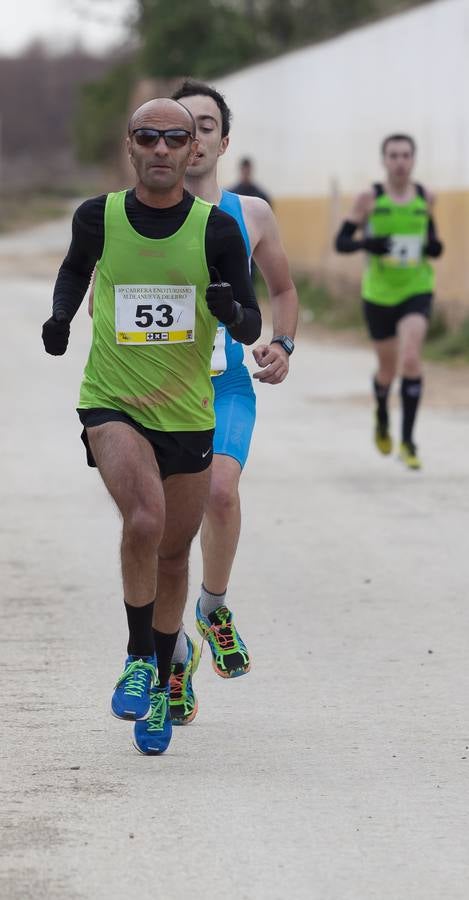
point(235, 413)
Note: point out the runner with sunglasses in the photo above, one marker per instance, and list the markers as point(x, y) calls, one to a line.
point(235, 402)
point(146, 399)
point(398, 234)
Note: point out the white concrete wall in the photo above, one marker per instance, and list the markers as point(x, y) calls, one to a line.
point(317, 115)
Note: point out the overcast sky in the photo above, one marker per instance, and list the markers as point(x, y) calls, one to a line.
point(98, 24)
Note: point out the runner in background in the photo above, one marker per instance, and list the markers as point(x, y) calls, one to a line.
point(235, 403)
point(398, 233)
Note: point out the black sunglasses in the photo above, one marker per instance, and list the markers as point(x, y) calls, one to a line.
point(173, 137)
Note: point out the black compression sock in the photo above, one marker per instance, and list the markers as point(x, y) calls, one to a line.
point(139, 619)
point(164, 648)
point(381, 394)
point(411, 392)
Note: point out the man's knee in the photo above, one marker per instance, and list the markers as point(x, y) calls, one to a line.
point(143, 526)
point(223, 498)
point(411, 363)
point(174, 561)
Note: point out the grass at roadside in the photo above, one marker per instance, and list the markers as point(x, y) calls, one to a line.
point(324, 308)
point(24, 211)
point(443, 344)
point(449, 345)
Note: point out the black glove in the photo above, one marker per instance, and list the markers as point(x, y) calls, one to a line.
point(433, 248)
point(220, 300)
point(378, 246)
point(55, 334)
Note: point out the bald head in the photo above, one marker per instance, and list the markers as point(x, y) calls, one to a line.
point(161, 143)
point(162, 110)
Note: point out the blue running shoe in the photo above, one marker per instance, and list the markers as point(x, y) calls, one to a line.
point(131, 697)
point(230, 657)
point(152, 736)
point(183, 702)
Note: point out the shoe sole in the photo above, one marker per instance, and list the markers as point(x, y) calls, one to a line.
point(186, 720)
point(195, 657)
point(149, 752)
point(384, 452)
point(129, 717)
point(411, 468)
point(236, 673)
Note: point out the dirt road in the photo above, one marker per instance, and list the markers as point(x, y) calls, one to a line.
point(338, 768)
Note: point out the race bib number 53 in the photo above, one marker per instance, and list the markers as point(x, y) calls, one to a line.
point(155, 313)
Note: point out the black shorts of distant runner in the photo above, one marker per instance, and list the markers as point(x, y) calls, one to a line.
point(382, 321)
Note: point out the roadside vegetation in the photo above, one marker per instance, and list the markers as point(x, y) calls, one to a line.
point(18, 212)
point(26, 208)
point(207, 39)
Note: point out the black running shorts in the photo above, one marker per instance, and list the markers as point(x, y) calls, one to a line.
point(382, 321)
point(176, 452)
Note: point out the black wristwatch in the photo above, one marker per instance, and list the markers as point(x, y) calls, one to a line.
point(287, 343)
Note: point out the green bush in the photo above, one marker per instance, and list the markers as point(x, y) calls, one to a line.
point(450, 344)
point(100, 121)
point(438, 326)
point(326, 308)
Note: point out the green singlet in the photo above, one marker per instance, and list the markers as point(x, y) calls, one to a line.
point(404, 273)
point(153, 333)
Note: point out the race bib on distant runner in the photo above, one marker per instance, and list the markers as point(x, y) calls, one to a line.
point(155, 313)
point(406, 251)
point(219, 353)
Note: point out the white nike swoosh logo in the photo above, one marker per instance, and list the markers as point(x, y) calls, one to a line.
point(206, 453)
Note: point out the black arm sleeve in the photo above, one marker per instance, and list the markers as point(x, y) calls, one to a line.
point(344, 242)
point(85, 249)
point(433, 247)
point(225, 249)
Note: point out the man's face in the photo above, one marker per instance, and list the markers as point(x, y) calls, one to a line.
point(160, 168)
point(211, 145)
point(398, 160)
